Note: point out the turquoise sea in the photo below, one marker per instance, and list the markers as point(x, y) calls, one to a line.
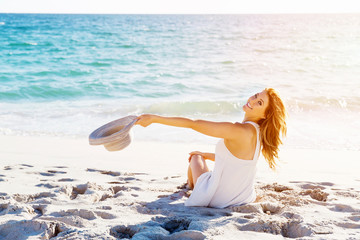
point(65, 75)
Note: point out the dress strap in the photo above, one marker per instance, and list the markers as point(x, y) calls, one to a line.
point(257, 149)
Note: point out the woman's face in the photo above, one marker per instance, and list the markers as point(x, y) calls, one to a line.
point(257, 104)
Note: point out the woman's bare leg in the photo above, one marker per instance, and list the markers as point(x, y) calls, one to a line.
point(197, 167)
point(190, 178)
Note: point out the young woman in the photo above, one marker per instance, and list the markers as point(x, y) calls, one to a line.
point(231, 182)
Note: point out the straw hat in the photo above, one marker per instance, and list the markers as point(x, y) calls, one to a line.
point(114, 135)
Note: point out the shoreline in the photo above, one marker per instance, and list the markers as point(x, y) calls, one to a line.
point(47, 182)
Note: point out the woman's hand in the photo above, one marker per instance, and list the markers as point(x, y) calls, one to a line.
point(196, 153)
point(209, 156)
point(145, 120)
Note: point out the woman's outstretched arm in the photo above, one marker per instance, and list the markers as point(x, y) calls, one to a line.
point(226, 130)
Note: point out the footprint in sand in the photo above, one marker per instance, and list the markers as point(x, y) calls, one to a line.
point(25, 198)
point(328, 184)
point(120, 232)
point(248, 208)
point(60, 167)
point(315, 184)
point(347, 193)
point(316, 194)
point(56, 172)
point(311, 186)
point(66, 180)
point(2, 179)
point(276, 187)
point(291, 229)
point(47, 185)
point(110, 173)
point(113, 192)
point(105, 215)
point(159, 228)
point(269, 208)
point(116, 182)
point(213, 213)
point(51, 173)
point(355, 218)
point(128, 179)
point(46, 174)
point(293, 216)
point(343, 208)
point(134, 174)
point(39, 209)
point(125, 178)
point(4, 208)
point(19, 166)
point(176, 225)
point(27, 165)
point(96, 193)
point(178, 229)
point(104, 207)
point(79, 189)
point(348, 225)
point(37, 228)
point(85, 214)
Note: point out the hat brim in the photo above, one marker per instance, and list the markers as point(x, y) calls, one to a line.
point(114, 135)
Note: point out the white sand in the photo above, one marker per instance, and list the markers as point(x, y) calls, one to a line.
point(65, 189)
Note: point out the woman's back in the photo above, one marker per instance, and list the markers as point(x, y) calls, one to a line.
point(231, 182)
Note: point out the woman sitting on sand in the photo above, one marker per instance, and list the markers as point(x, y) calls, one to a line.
point(231, 182)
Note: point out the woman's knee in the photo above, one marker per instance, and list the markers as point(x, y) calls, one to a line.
point(196, 159)
point(198, 163)
point(196, 168)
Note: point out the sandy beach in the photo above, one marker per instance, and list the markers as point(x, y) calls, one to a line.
point(64, 75)
point(62, 188)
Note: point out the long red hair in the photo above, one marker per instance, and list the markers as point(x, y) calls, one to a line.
point(272, 126)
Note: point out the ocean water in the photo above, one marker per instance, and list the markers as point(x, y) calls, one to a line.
point(65, 75)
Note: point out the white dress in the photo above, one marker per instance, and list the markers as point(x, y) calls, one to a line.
point(231, 182)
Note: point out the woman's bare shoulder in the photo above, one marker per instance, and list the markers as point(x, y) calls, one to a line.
point(245, 128)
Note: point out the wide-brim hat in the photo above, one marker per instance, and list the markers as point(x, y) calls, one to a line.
point(114, 135)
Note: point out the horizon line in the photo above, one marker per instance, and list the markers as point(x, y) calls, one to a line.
point(250, 13)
